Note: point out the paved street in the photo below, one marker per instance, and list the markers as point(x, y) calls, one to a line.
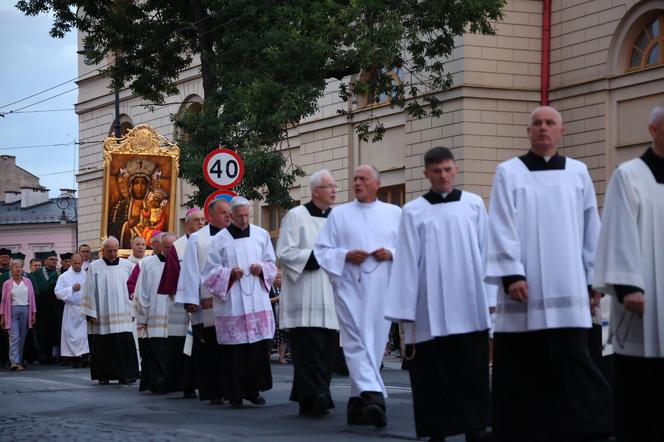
point(61, 403)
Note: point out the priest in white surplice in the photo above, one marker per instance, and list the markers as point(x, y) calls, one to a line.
point(198, 301)
point(356, 248)
point(544, 228)
point(152, 320)
point(74, 337)
point(107, 308)
point(239, 270)
point(630, 266)
point(306, 305)
point(438, 295)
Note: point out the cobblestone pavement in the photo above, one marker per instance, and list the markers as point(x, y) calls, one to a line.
point(61, 403)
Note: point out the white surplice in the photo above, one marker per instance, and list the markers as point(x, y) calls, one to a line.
point(245, 314)
point(631, 252)
point(153, 308)
point(543, 225)
point(74, 335)
point(438, 281)
point(106, 297)
point(190, 285)
point(360, 289)
point(306, 298)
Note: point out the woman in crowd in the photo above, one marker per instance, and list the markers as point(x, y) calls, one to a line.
point(17, 312)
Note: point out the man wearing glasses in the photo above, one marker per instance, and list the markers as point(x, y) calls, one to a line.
point(306, 302)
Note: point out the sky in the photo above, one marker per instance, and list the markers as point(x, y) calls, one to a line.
point(32, 61)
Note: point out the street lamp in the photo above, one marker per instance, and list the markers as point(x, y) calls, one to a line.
point(65, 201)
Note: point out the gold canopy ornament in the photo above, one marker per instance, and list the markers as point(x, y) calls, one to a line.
point(140, 186)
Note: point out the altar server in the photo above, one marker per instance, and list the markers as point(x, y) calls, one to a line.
point(69, 289)
point(198, 301)
point(630, 266)
point(438, 295)
point(356, 248)
point(543, 234)
point(306, 304)
point(107, 307)
point(239, 270)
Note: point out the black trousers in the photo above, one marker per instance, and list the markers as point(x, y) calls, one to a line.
point(178, 374)
point(206, 356)
point(547, 388)
point(314, 352)
point(450, 381)
point(246, 369)
point(154, 353)
point(639, 385)
point(113, 356)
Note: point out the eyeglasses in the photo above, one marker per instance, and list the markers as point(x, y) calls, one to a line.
point(328, 186)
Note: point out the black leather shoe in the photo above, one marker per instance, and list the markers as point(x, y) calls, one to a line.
point(189, 394)
point(320, 405)
point(127, 381)
point(375, 415)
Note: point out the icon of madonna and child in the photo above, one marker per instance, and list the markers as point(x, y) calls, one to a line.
point(143, 205)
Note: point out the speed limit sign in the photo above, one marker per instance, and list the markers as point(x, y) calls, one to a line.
point(223, 168)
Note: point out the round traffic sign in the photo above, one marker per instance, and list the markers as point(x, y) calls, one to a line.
point(223, 168)
point(227, 195)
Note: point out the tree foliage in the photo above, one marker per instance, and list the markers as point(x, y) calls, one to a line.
point(265, 63)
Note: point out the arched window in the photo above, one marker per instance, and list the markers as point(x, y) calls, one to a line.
point(126, 124)
point(395, 75)
point(193, 104)
point(647, 50)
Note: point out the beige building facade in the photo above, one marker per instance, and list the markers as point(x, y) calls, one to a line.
point(606, 73)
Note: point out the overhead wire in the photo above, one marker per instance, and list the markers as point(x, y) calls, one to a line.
point(93, 71)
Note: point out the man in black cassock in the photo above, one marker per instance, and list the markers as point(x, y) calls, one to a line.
point(49, 306)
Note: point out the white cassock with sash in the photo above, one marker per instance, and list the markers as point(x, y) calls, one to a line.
point(106, 297)
point(544, 225)
point(74, 337)
point(360, 290)
point(631, 253)
point(190, 288)
point(441, 263)
point(244, 315)
point(153, 308)
point(306, 297)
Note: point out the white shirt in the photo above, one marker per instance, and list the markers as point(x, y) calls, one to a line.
point(19, 293)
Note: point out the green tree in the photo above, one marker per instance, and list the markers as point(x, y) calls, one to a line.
point(264, 64)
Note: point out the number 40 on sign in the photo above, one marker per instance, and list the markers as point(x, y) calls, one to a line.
point(223, 168)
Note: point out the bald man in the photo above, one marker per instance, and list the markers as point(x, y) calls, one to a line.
point(108, 310)
point(543, 232)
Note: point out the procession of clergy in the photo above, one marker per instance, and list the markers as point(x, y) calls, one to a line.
point(540, 259)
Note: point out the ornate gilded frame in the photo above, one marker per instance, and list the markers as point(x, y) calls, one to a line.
point(141, 142)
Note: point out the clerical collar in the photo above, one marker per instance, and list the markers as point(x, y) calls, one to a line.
point(315, 211)
point(655, 163)
point(536, 163)
point(214, 230)
point(115, 262)
point(161, 257)
point(437, 198)
point(366, 205)
point(237, 233)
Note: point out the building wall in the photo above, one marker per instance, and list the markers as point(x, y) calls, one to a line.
point(13, 177)
point(497, 84)
point(31, 238)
